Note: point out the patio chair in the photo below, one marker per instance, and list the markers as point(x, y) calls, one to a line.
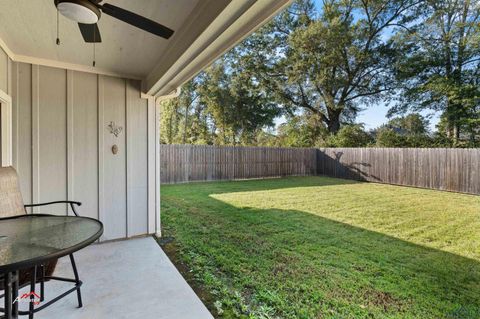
point(11, 204)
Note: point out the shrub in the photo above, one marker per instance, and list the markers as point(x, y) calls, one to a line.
point(350, 136)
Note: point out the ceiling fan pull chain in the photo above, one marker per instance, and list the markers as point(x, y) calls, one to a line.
point(58, 32)
point(94, 38)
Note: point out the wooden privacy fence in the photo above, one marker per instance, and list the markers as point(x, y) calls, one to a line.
point(437, 168)
point(185, 163)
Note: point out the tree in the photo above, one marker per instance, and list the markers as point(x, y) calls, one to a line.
point(327, 63)
point(187, 100)
point(300, 131)
point(439, 64)
point(238, 108)
point(411, 124)
point(253, 110)
point(183, 119)
point(350, 136)
point(169, 121)
point(266, 138)
point(387, 137)
point(407, 131)
point(214, 94)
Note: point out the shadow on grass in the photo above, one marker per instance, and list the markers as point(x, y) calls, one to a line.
point(252, 185)
point(294, 264)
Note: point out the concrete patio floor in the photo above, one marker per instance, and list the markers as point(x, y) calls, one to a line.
point(125, 279)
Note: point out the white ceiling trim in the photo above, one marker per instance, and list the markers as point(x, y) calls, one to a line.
point(235, 23)
point(61, 65)
point(6, 49)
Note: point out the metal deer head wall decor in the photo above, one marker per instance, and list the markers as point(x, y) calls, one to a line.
point(114, 128)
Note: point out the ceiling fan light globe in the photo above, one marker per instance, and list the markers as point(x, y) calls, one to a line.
point(79, 11)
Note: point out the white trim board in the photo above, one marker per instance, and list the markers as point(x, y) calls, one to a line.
point(5, 98)
point(6, 49)
point(62, 65)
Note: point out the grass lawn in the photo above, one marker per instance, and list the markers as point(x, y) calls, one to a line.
point(317, 247)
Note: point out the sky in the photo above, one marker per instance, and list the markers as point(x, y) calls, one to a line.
point(375, 116)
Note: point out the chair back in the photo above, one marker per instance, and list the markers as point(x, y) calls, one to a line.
point(11, 202)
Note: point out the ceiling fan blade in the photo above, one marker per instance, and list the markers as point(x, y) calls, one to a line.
point(90, 33)
point(137, 20)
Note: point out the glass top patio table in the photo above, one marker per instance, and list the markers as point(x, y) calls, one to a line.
point(32, 239)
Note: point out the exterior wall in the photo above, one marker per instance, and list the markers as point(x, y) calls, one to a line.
point(62, 147)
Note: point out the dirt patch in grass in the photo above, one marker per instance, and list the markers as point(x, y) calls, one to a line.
point(384, 300)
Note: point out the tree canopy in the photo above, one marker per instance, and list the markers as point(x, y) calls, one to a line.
point(314, 68)
point(438, 65)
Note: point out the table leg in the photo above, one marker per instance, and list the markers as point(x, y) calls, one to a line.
point(42, 282)
point(33, 280)
point(11, 291)
point(15, 293)
point(8, 295)
point(77, 281)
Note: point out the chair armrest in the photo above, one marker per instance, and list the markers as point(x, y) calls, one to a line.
point(55, 202)
point(58, 202)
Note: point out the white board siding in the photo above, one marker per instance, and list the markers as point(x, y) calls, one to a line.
point(115, 190)
point(137, 162)
point(84, 160)
point(22, 127)
point(62, 146)
point(152, 142)
point(51, 117)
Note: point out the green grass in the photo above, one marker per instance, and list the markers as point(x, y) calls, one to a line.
point(317, 247)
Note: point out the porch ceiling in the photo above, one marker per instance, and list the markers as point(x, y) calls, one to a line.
point(28, 32)
point(29, 29)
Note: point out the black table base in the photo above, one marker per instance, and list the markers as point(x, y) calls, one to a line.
point(11, 310)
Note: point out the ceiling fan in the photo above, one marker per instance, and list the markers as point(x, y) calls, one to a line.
point(88, 12)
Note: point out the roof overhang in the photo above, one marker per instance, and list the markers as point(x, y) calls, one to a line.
point(237, 21)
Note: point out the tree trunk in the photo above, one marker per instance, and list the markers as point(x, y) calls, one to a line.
point(186, 125)
point(333, 123)
point(456, 132)
point(452, 121)
point(169, 137)
point(333, 126)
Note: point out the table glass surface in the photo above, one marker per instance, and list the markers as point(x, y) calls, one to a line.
point(31, 237)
